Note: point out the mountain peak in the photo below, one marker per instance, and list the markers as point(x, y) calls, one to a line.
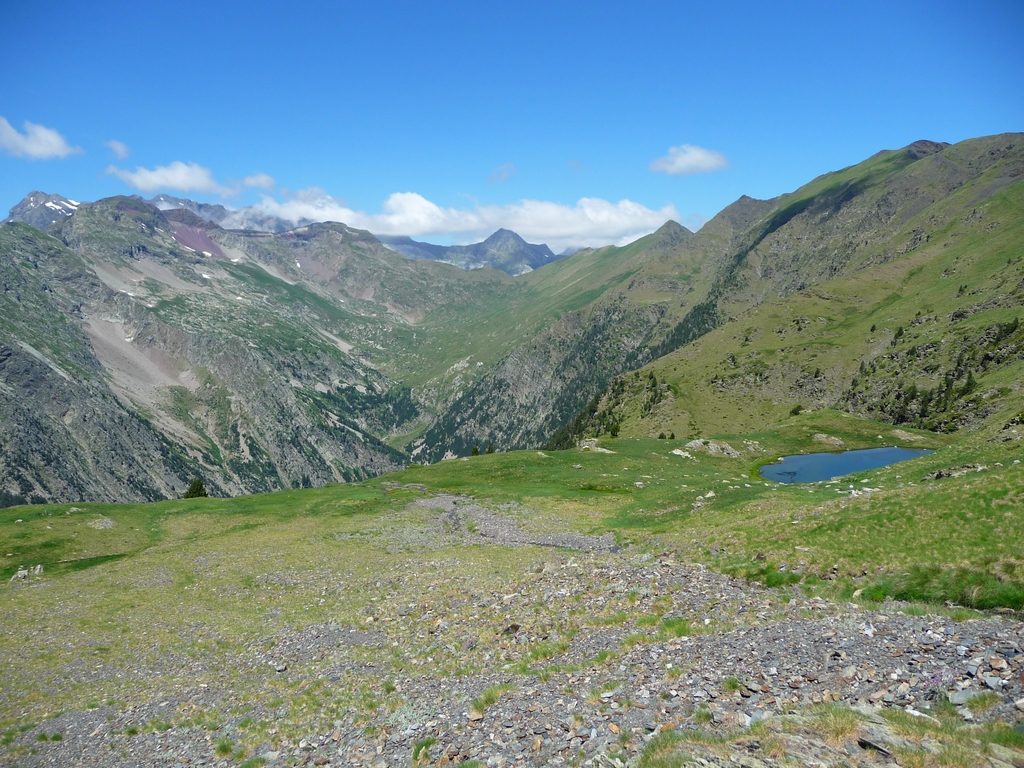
point(42, 209)
point(504, 249)
point(924, 147)
point(671, 233)
point(503, 235)
point(674, 228)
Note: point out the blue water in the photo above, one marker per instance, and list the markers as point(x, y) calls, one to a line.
point(812, 467)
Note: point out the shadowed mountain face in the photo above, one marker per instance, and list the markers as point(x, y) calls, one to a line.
point(140, 347)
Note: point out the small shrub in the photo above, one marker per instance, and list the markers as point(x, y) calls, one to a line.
point(703, 714)
point(421, 750)
point(196, 490)
point(675, 626)
point(796, 410)
point(489, 697)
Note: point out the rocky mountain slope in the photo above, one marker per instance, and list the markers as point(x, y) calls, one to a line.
point(210, 212)
point(187, 350)
point(504, 250)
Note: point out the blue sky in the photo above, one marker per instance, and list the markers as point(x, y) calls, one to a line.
point(445, 120)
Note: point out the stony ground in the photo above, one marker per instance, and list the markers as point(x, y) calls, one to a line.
point(589, 656)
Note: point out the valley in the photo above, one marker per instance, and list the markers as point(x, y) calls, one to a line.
point(894, 273)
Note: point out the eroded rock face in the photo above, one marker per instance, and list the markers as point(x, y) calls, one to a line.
point(125, 372)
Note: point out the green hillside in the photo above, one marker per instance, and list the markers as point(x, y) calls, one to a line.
point(917, 330)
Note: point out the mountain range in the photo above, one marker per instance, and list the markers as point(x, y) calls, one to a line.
point(143, 343)
point(504, 250)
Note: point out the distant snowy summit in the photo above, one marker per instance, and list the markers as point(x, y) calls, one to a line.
point(42, 210)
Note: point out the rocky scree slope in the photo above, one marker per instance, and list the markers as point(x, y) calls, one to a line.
point(562, 651)
point(63, 432)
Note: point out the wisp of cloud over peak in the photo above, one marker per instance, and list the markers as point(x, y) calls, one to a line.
point(689, 158)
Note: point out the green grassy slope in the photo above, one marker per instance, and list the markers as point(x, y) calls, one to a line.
point(896, 335)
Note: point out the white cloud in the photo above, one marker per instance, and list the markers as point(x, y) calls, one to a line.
point(37, 141)
point(179, 176)
point(687, 158)
point(119, 148)
point(259, 180)
point(590, 221)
